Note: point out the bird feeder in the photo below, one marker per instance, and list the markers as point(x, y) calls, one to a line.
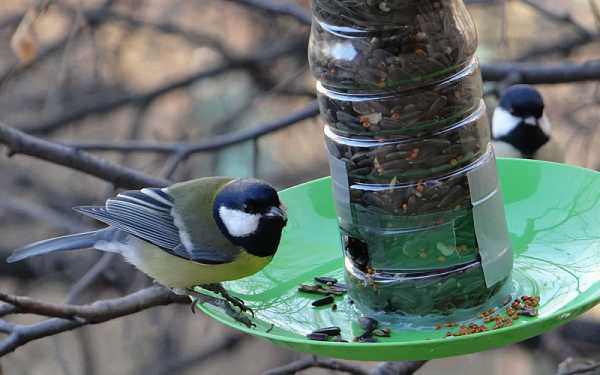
point(414, 177)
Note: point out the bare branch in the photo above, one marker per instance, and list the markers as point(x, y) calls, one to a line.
point(211, 144)
point(90, 276)
point(573, 367)
point(278, 8)
point(566, 18)
point(562, 47)
point(543, 74)
point(181, 151)
point(223, 346)
point(311, 362)
point(173, 29)
point(397, 368)
point(101, 106)
point(21, 143)
point(75, 316)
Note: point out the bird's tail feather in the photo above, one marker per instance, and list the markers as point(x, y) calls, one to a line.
point(65, 243)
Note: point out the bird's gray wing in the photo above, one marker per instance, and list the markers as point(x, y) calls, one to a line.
point(146, 214)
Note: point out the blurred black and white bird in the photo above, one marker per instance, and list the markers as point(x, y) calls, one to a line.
point(520, 129)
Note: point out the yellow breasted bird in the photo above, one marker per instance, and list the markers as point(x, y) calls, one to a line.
point(194, 233)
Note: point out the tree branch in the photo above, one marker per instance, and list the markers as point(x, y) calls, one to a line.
point(312, 362)
point(566, 18)
point(542, 73)
point(75, 316)
point(386, 368)
point(110, 104)
point(278, 8)
point(397, 368)
point(21, 143)
point(573, 367)
point(211, 144)
point(225, 345)
point(181, 151)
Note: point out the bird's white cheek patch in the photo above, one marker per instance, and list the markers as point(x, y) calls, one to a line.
point(239, 223)
point(503, 122)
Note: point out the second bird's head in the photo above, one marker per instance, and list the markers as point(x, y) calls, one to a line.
point(520, 121)
point(250, 214)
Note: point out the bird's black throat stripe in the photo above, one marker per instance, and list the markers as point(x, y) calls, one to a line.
point(526, 138)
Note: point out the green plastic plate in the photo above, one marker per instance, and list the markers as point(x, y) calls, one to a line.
point(553, 215)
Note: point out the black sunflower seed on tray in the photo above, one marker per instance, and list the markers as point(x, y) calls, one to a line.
point(323, 301)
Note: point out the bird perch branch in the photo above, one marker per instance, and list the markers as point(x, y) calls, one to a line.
point(68, 317)
point(18, 142)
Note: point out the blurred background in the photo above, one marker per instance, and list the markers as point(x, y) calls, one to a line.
point(196, 71)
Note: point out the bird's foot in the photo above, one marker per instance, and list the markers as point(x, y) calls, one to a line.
point(238, 316)
point(227, 305)
point(218, 288)
point(203, 298)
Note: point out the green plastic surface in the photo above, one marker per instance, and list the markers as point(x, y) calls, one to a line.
point(554, 221)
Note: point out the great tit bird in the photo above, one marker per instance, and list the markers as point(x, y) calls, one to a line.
point(195, 233)
point(520, 129)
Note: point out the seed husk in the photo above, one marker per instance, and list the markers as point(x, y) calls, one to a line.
point(326, 280)
point(323, 301)
point(329, 331)
point(322, 289)
point(318, 336)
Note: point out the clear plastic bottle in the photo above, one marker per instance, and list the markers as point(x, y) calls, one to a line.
point(408, 139)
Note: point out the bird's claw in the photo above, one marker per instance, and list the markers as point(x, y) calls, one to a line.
point(218, 288)
point(239, 304)
point(227, 303)
point(238, 316)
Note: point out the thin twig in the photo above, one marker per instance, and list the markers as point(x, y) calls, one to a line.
point(278, 8)
point(211, 144)
point(312, 362)
point(222, 346)
point(101, 106)
point(565, 18)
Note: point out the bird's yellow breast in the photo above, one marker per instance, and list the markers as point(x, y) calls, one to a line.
point(175, 272)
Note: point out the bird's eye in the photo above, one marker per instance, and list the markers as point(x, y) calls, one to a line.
point(250, 207)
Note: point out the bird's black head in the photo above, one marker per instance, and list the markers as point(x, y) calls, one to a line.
point(250, 214)
point(519, 119)
point(523, 101)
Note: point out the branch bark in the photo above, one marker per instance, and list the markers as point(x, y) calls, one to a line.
point(386, 368)
point(69, 317)
point(542, 73)
point(21, 143)
point(104, 105)
point(278, 8)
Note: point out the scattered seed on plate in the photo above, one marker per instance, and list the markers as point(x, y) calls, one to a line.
point(317, 336)
point(385, 332)
point(367, 324)
point(330, 331)
point(323, 301)
point(322, 289)
point(326, 280)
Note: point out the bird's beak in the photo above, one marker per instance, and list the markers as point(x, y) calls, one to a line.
point(531, 121)
point(277, 212)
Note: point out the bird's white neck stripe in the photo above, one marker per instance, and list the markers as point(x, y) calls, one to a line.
point(503, 122)
point(239, 223)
